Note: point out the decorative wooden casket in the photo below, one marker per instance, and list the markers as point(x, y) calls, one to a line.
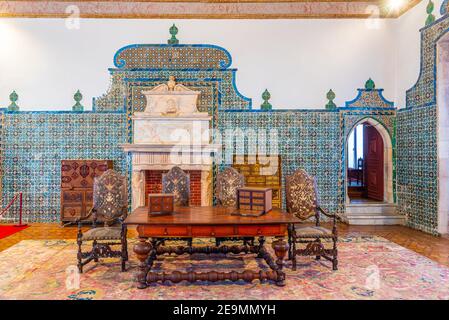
point(261, 171)
point(159, 203)
point(255, 199)
point(77, 181)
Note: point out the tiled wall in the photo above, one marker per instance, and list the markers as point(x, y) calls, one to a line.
point(417, 157)
point(34, 143)
point(306, 139)
point(417, 167)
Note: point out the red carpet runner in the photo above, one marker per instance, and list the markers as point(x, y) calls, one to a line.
point(9, 230)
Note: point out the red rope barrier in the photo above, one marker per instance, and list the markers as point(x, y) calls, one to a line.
point(18, 195)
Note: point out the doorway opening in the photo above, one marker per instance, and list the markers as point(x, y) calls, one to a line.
point(369, 163)
point(443, 136)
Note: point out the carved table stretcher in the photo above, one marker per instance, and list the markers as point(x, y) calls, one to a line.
point(209, 222)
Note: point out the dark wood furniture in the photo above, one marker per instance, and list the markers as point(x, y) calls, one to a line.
point(77, 180)
point(176, 181)
point(302, 201)
point(255, 199)
point(228, 182)
point(261, 171)
point(110, 203)
point(209, 222)
point(160, 203)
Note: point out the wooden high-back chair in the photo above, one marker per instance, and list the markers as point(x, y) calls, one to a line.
point(176, 181)
point(228, 181)
point(302, 201)
point(110, 204)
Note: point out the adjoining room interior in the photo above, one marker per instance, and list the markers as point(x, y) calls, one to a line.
point(285, 150)
point(365, 165)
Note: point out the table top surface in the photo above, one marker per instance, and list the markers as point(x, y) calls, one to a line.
point(207, 216)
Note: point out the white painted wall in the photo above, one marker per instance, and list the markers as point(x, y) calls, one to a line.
point(297, 60)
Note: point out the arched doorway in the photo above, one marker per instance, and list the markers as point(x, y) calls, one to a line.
point(369, 163)
point(374, 204)
point(443, 132)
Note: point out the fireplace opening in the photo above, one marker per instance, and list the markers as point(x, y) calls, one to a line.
point(153, 184)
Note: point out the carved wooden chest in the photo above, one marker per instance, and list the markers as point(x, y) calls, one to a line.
point(160, 203)
point(77, 181)
point(255, 199)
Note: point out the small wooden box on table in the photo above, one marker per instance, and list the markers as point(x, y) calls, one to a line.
point(160, 203)
point(255, 199)
point(209, 222)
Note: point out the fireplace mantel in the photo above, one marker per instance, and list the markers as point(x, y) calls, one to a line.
point(171, 132)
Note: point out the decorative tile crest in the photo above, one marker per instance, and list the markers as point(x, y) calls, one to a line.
point(172, 57)
point(369, 97)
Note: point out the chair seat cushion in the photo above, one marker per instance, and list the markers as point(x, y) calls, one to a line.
point(103, 233)
point(313, 231)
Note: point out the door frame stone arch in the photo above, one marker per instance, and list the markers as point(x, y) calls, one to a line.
point(387, 153)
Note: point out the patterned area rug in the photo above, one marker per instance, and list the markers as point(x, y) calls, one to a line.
point(370, 268)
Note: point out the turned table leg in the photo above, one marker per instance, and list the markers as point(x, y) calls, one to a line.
point(142, 250)
point(261, 243)
point(280, 247)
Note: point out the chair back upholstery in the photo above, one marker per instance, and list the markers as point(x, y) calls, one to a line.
point(110, 197)
point(228, 181)
point(176, 181)
point(301, 195)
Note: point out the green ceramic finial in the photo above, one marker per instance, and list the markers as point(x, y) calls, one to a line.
point(429, 9)
point(266, 105)
point(173, 31)
point(369, 84)
point(13, 97)
point(330, 96)
point(78, 97)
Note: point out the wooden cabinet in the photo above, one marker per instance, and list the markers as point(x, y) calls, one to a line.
point(77, 181)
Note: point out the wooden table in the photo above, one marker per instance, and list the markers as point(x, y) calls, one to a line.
point(209, 222)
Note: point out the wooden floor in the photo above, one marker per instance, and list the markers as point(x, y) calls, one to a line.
point(435, 248)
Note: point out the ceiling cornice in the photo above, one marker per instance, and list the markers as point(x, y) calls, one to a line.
point(203, 9)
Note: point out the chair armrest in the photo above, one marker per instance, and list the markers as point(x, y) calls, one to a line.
point(80, 219)
point(85, 217)
point(329, 215)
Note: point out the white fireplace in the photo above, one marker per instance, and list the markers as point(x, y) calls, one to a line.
point(171, 132)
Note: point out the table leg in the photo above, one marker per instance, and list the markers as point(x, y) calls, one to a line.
point(261, 243)
point(280, 247)
point(142, 250)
